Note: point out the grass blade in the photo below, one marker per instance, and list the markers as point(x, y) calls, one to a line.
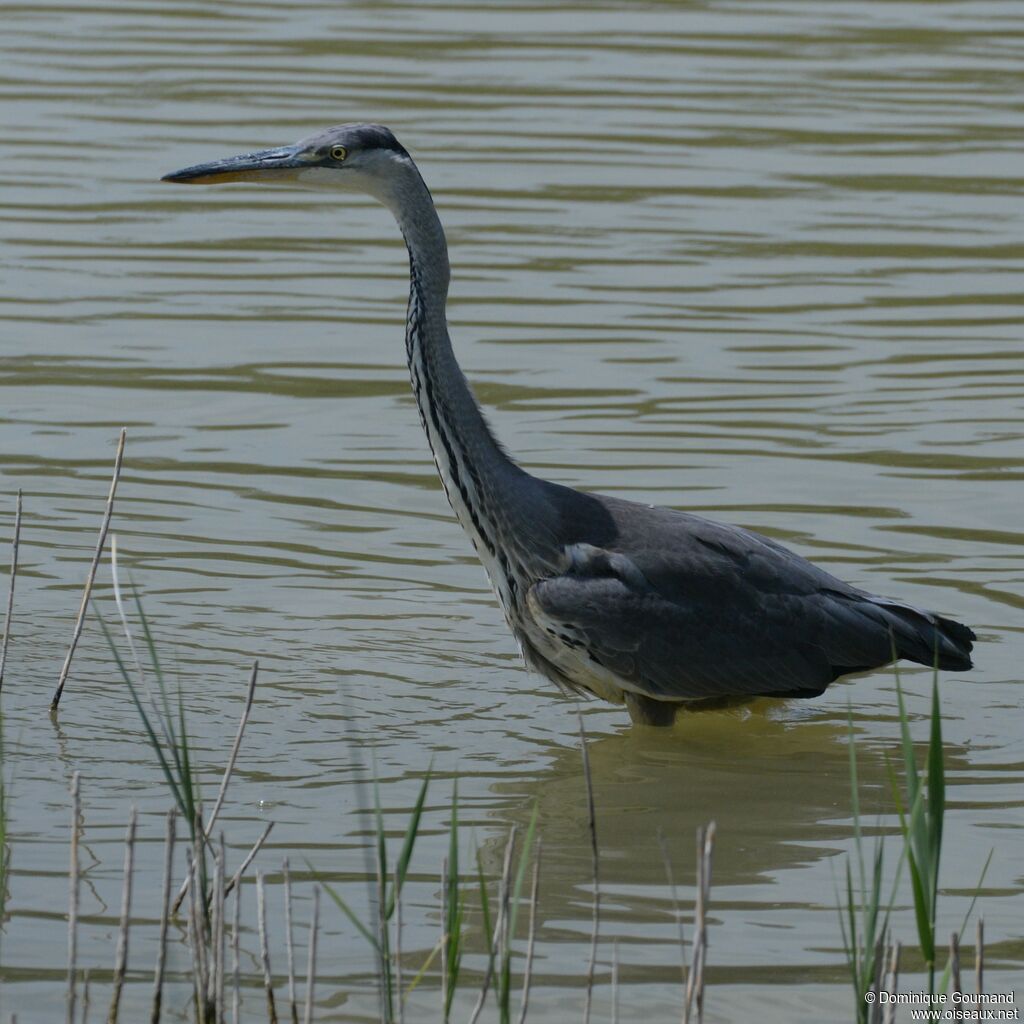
point(409, 841)
point(340, 903)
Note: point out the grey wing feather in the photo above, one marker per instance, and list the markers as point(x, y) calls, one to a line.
point(673, 651)
point(685, 608)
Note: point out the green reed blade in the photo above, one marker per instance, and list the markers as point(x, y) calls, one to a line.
point(340, 903)
point(936, 790)
point(154, 742)
point(524, 858)
point(408, 842)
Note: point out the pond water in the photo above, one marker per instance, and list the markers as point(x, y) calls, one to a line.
point(757, 261)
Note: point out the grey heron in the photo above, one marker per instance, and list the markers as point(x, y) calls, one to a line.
point(649, 607)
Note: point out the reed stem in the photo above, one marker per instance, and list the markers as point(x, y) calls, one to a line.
point(207, 829)
point(595, 862)
point(236, 984)
point(195, 938)
point(121, 958)
point(216, 981)
point(311, 964)
point(496, 944)
point(10, 589)
point(91, 578)
point(161, 955)
point(236, 878)
point(289, 942)
point(531, 939)
point(74, 895)
point(261, 914)
point(979, 957)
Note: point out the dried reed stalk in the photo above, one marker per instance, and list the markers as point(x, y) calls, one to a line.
point(496, 944)
point(236, 984)
point(90, 579)
point(85, 996)
point(954, 961)
point(10, 591)
point(979, 957)
point(233, 756)
point(695, 979)
point(532, 936)
point(289, 942)
point(892, 983)
point(615, 982)
point(667, 861)
point(261, 915)
point(705, 888)
point(311, 957)
point(194, 939)
point(222, 935)
point(199, 921)
point(199, 863)
point(165, 895)
point(207, 829)
point(592, 827)
point(74, 894)
point(215, 982)
point(875, 1010)
point(121, 957)
point(236, 878)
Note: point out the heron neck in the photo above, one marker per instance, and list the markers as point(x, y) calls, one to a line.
point(450, 412)
point(495, 501)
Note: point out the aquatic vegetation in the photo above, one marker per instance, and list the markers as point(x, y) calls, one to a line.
point(388, 900)
point(922, 811)
point(471, 903)
point(864, 926)
point(872, 954)
point(210, 919)
point(5, 847)
point(10, 588)
point(168, 737)
point(384, 934)
point(90, 578)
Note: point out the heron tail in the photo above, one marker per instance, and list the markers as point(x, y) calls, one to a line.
point(927, 638)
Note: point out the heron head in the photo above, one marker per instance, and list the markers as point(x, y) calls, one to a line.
point(364, 157)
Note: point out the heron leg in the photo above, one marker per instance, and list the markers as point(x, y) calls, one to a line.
point(645, 711)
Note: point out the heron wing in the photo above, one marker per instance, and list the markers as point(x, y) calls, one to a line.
point(683, 608)
point(668, 648)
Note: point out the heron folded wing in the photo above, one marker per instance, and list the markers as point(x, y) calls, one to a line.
point(679, 648)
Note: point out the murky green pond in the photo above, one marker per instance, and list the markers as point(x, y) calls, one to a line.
point(759, 261)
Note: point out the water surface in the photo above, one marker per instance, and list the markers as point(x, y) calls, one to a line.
point(760, 262)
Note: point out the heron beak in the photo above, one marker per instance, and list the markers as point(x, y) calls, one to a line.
point(265, 165)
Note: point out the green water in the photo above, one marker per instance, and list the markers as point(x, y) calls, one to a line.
point(759, 261)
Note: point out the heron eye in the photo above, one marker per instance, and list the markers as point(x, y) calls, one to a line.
point(338, 153)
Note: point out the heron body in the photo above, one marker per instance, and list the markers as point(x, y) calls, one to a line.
point(646, 606)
